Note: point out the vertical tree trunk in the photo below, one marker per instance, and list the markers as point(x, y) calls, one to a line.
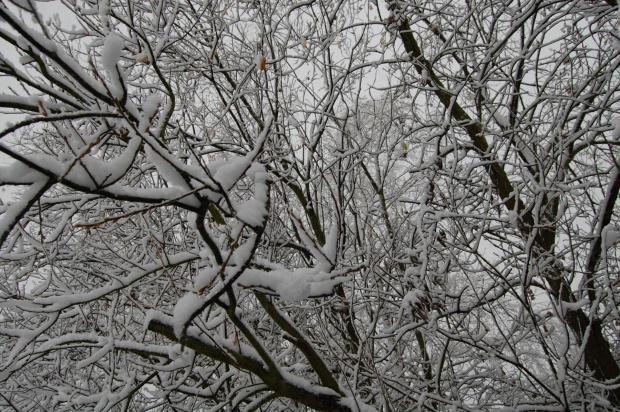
point(597, 352)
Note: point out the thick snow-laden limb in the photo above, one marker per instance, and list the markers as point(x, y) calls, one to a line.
point(93, 175)
point(297, 338)
point(15, 211)
point(54, 53)
point(183, 311)
point(110, 56)
point(295, 285)
point(240, 255)
point(166, 168)
point(26, 337)
point(281, 383)
point(229, 173)
point(254, 211)
point(54, 118)
point(56, 303)
point(239, 258)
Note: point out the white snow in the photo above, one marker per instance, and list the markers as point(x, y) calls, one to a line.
point(104, 11)
point(14, 211)
point(97, 355)
point(229, 173)
point(574, 306)
point(501, 119)
point(150, 105)
point(258, 59)
point(242, 255)
point(252, 212)
point(292, 121)
point(294, 285)
point(205, 277)
point(18, 172)
point(424, 76)
point(112, 49)
point(330, 249)
point(355, 404)
point(110, 56)
point(184, 310)
point(165, 168)
point(610, 235)
point(232, 171)
point(415, 298)
point(616, 123)
point(52, 304)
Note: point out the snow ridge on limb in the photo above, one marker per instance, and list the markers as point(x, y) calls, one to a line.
point(282, 384)
point(240, 255)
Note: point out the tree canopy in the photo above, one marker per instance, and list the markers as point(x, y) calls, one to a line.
point(348, 205)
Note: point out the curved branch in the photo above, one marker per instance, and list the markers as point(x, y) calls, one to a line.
point(321, 399)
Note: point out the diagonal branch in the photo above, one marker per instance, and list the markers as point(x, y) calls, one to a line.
point(300, 341)
point(318, 398)
point(596, 349)
point(596, 248)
